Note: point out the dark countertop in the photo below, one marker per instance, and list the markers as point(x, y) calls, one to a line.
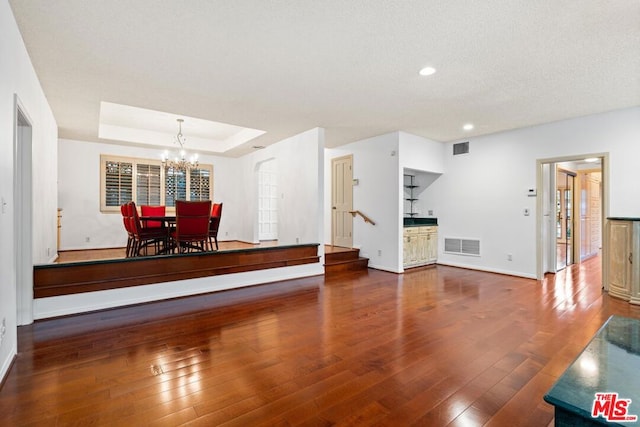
point(609, 363)
point(417, 222)
point(623, 218)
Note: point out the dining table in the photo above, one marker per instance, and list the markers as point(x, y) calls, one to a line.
point(169, 223)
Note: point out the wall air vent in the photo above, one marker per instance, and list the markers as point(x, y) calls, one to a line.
point(460, 148)
point(462, 246)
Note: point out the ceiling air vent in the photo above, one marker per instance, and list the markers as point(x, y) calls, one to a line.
point(460, 148)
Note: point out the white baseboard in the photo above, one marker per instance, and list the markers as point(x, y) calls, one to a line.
point(6, 365)
point(489, 270)
point(381, 268)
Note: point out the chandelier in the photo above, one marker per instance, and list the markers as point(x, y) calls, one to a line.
point(179, 160)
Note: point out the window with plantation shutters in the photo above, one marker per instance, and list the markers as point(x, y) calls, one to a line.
point(147, 182)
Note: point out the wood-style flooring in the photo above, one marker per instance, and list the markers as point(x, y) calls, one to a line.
point(436, 346)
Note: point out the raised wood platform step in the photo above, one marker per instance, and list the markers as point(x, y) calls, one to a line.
point(337, 260)
point(63, 279)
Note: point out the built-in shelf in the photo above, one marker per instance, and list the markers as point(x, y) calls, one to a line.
point(410, 185)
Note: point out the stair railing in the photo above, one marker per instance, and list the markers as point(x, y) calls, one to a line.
point(364, 217)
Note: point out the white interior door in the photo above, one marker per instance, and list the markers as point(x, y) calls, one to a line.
point(342, 201)
point(268, 201)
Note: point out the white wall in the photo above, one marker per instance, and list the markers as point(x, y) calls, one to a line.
point(420, 153)
point(424, 159)
point(235, 184)
point(482, 194)
point(300, 186)
point(379, 164)
point(18, 77)
point(80, 198)
point(375, 166)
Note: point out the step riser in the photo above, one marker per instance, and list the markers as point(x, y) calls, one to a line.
point(360, 264)
point(341, 256)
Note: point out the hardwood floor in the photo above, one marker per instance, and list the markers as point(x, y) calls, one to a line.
point(436, 346)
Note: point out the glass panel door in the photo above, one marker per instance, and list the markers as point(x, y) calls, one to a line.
point(564, 218)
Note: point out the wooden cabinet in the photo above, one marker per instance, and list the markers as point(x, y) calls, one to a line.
point(420, 246)
point(622, 275)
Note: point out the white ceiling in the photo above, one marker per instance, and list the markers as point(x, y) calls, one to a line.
point(348, 66)
point(142, 126)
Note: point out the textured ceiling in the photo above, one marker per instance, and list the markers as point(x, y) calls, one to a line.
point(348, 66)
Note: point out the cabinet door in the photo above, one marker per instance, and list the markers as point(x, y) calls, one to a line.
point(620, 233)
point(423, 248)
point(413, 250)
point(406, 250)
point(432, 247)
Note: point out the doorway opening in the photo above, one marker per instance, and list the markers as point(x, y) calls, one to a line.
point(22, 202)
point(571, 206)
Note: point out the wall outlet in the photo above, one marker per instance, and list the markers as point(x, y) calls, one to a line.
point(509, 257)
point(297, 240)
point(87, 239)
point(430, 212)
point(379, 252)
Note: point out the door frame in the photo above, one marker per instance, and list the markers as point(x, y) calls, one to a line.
point(23, 212)
point(541, 251)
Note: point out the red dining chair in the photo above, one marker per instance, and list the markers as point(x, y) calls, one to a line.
point(143, 237)
point(214, 223)
point(124, 210)
point(147, 210)
point(192, 225)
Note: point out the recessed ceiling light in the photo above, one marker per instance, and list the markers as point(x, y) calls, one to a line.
point(468, 126)
point(427, 71)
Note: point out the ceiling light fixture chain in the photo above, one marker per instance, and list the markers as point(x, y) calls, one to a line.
point(180, 162)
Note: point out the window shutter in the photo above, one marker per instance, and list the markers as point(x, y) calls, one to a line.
point(118, 182)
point(199, 184)
point(175, 186)
point(148, 184)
